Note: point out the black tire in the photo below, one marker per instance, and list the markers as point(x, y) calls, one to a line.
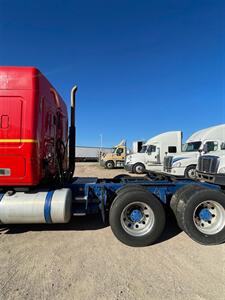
point(130, 188)
point(138, 168)
point(120, 176)
point(190, 170)
point(109, 164)
point(191, 206)
point(127, 188)
point(178, 196)
point(127, 198)
point(175, 199)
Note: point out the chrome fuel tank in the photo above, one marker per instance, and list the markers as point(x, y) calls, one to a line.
point(37, 207)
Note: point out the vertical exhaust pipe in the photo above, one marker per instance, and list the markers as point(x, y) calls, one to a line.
point(72, 133)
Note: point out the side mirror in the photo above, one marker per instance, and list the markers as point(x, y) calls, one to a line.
point(205, 148)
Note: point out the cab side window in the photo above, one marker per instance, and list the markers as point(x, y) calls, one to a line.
point(119, 151)
point(212, 146)
point(172, 149)
point(222, 147)
point(151, 149)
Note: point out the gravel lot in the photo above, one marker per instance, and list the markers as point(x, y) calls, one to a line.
point(83, 260)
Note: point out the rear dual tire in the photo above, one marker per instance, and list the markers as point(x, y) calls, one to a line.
point(200, 212)
point(136, 202)
point(178, 196)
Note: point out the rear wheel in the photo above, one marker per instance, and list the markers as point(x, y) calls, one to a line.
point(139, 168)
point(202, 214)
point(109, 164)
point(177, 197)
point(137, 218)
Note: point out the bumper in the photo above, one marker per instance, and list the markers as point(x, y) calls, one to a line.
point(128, 168)
point(212, 178)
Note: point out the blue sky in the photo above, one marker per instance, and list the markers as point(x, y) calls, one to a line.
point(142, 67)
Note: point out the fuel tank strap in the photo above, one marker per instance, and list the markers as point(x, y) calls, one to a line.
point(47, 207)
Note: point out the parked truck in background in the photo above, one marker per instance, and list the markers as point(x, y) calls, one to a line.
point(185, 162)
point(211, 168)
point(37, 183)
point(116, 158)
point(152, 154)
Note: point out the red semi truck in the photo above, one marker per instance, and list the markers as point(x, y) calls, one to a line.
point(33, 128)
point(37, 183)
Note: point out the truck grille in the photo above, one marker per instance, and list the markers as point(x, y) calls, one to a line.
point(208, 164)
point(168, 161)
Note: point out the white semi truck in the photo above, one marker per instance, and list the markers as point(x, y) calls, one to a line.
point(207, 140)
point(152, 154)
point(211, 168)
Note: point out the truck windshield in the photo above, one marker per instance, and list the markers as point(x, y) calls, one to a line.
point(114, 150)
point(193, 146)
point(143, 149)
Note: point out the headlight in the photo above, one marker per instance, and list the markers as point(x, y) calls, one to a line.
point(177, 164)
point(222, 170)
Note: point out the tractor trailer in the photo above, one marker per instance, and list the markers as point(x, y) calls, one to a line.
point(37, 183)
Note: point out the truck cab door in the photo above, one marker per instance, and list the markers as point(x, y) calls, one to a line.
point(153, 155)
point(120, 152)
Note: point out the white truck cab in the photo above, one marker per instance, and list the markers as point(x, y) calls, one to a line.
point(211, 168)
point(207, 140)
point(152, 154)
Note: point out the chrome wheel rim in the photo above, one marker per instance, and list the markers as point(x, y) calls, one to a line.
point(209, 217)
point(137, 219)
point(139, 169)
point(192, 173)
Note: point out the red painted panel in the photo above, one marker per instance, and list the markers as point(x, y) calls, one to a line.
point(4, 123)
point(29, 130)
point(15, 164)
point(10, 113)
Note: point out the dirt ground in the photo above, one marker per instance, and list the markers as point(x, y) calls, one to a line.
point(83, 260)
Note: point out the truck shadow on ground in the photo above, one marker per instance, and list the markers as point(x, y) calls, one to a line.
point(92, 222)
